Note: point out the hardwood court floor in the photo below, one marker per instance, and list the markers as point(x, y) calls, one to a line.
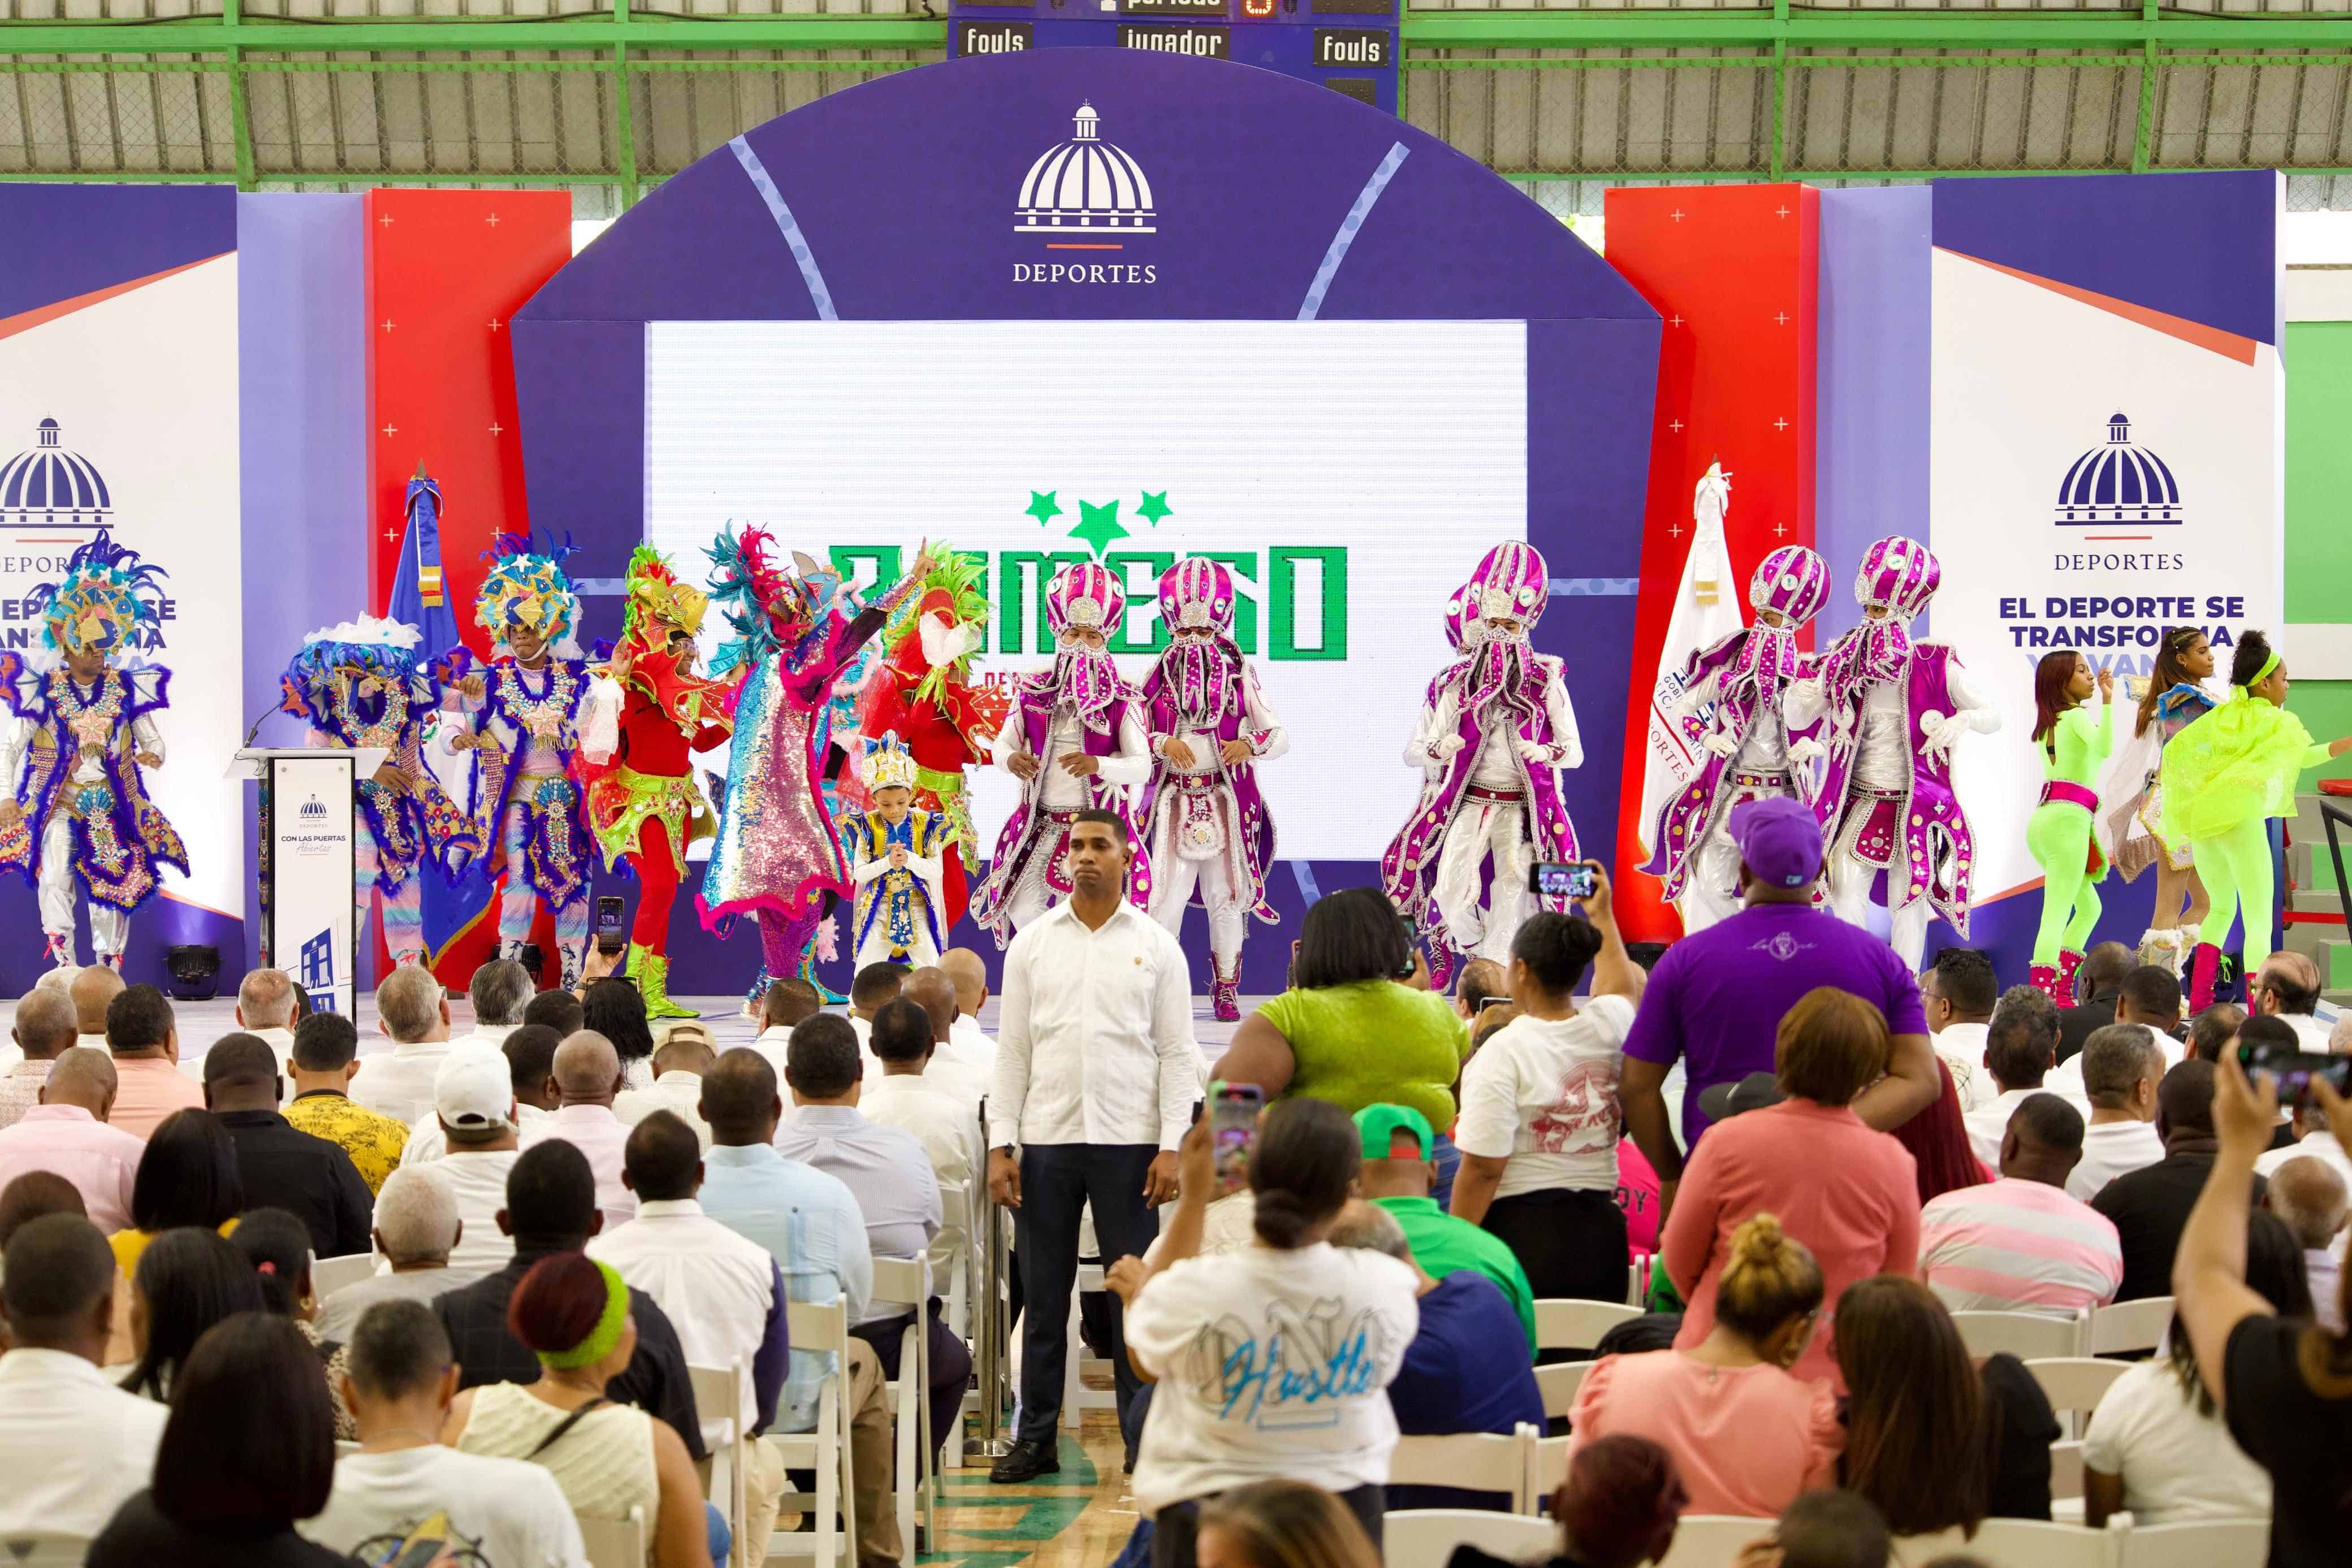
point(1079, 1518)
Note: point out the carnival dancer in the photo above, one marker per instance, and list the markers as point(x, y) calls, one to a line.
point(358, 684)
point(648, 714)
point(1733, 711)
point(1496, 730)
point(526, 711)
point(1893, 709)
point(2133, 798)
point(2224, 776)
point(898, 849)
point(84, 727)
point(777, 855)
point(2060, 833)
point(1204, 822)
point(1075, 738)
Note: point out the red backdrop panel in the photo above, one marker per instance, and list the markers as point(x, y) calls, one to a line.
point(1732, 269)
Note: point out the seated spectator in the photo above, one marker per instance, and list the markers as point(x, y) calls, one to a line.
point(275, 1242)
point(2021, 1244)
point(2098, 986)
point(551, 1209)
point(1481, 981)
point(969, 971)
point(401, 1384)
point(530, 1055)
point(557, 1010)
point(2265, 1033)
point(1617, 1508)
point(145, 1044)
point(2151, 998)
point(1283, 1524)
point(2308, 1196)
point(1199, 1439)
point(265, 1009)
point(2286, 987)
point(1957, 993)
point(2150, 1206)
point(679, 1062)
point(325, 1058)
point(1823, 1530)
point(2121, 1065)
point(67, 1133)
point(279, 1167)
point(2069, 1078)
point(499, 991)
point(188, 1177)
point(1745, 1436)
point(2157, 1444)
point(1398, 1172)
point(43, 1028)
point(412, 1012)
point(781, 1011)
point(1937, 1138)
point(248, 1448)
point(92, 991)
point(576, 1316)
point(589, 1075)
point(1539, 1122)
point(474, 1121)
point(2020, 1048)
point(2214, 1030)
point(1932, 1440)
point(2313, 1138)
point(35, 1195)
point(417, 1227)
point(962, 1075)
point(908, 1096)
point(75, 1447)
point(615, 1009)
point(302, 1007)
point(1850, 1195)
point(1466, 1369)
point(868, 989)
point(188, 1280)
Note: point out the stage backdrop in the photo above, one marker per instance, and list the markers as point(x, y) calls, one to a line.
point(1104, 303)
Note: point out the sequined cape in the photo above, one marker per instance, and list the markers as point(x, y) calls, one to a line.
point(119, 843)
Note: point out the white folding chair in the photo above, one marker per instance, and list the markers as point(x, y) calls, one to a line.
point(2066, 1477)
point(1712, 1539)
point(825, 1449)
point(1426, 1537)
point(1475, 1461)
point(2029, 1336)
point(902, 1280)
point(2128, 1326)
point(2211, 1543)
point(1558, 1383)
point(2037, 1543)
point(43, 1549)
point(614, 1543)
point(960, 1304)
point(2075, 1384)
point(1547, 1466)
point(1566, 1324)
point(329, 1275)
point(722, 1401)
point(1076, 1397)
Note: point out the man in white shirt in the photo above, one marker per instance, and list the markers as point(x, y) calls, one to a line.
point(1957, 993)
point(415, 1228)
point(968, 970)
point(2287, 988)
point(2310, 1196)
point(1097, 1074)
point(529, 1052)
point(2020, 1048)
point(413, 1011)
point(2313, 1137)
point(952, 1069)
point(401, 1381)
point(2021, 1244)
point(679, 1063)
point(474, 1107)
point(2122, 1064)
point(265, 1009)
point(906, 1095)
point(499, 991)
point(73, 1446)
point(787, 1002)
point(587, 1077)
point(91, 989)
point(67, 1133)
point(868, 989)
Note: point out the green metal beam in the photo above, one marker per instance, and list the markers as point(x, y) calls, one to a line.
point(600, 34)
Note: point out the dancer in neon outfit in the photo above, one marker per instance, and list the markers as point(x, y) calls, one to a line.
point(2074, 745)
point(2176, 698)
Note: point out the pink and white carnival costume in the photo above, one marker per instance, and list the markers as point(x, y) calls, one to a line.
point(1893, 710)
point(1733, 710)
point(1495, 728)
point(1080, 706)
point(1203, 819)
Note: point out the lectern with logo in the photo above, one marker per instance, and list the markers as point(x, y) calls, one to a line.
point(309, 924)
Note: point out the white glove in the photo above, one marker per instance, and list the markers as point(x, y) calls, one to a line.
point(1943, 735)
point(1535, 754)
point(1803, 751)
point(1444, 750)
point(1721, 744)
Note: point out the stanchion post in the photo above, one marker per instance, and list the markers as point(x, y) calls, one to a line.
point(991, 1340)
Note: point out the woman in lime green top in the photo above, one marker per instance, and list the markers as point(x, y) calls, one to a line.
point(1349, 1029)
point(2073, 745)
point(2224, 776)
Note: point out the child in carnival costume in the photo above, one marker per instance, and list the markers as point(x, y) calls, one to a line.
point(777, 855)
point(1495, 730)
point(1742, 684)
point(358, 684)
point(898, 848)
point(83, 730)
point(1203, 817)
point(648, 713)
point(526, 708)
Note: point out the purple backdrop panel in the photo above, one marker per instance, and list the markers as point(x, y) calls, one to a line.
point(1871, 441)
point(2201, 246)
point(65, 241)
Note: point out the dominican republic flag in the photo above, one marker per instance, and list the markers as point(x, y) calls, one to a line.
point(1705, 611)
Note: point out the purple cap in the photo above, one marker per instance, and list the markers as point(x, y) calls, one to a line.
point(1778, 841)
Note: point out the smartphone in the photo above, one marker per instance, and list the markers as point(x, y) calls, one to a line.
point(2295, 1070)
point(1233, 1131)
point(1561, 879)
point(608, 923)
point(1412, 949)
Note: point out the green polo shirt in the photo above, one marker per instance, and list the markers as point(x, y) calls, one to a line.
point(1442, 1244)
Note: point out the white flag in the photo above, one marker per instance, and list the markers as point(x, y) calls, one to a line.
point(1706, 609)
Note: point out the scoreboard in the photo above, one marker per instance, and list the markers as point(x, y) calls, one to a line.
point(1349, 46)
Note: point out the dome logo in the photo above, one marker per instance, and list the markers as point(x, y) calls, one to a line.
point(1090, 198)
point(50, 486)
point(2118, 482)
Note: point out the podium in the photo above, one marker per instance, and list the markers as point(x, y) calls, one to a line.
point(309, 913)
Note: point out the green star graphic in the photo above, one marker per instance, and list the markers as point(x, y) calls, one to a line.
point(1043, 507)
point(1097, 526)
point(1154, 506)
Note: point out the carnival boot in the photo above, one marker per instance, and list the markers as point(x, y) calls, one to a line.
point(60, 950)
point(755, 1000)
point(1225, 991)
point(651, 971)
point(1443, 962)
point(2043, 977)
point(2068, 962)
point(825, 993)
point(2204, 964)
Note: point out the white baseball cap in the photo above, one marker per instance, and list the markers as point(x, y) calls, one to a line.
point(474, 1090)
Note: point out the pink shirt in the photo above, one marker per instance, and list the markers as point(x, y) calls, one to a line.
point(99, 1160)
point(2016, 1246)
point(602, 1137)
point(148, 1088)
point(1637, 1194)
point(1850, 1195)
point(1746, 1439)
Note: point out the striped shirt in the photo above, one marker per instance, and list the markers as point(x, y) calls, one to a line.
point(2017, 1245)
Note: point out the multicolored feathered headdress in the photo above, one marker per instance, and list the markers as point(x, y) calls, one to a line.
point(955, 589)
point(889, 765)
point(656, 595)
point(108, 598)
point(376, 648)
point(527, 589)
point(768, 607)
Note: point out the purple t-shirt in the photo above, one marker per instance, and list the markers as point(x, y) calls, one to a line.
point(1716, 998)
